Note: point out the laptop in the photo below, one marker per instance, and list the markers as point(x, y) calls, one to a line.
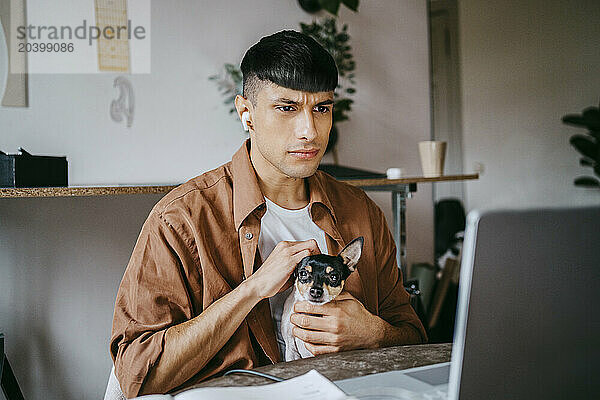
point(527, 324)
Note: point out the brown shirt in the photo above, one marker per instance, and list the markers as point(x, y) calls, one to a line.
point(200, 241)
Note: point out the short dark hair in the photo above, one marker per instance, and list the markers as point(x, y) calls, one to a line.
point(290, 59)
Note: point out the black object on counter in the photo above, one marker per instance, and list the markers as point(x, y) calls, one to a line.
point(26, 170)
point(341, 172)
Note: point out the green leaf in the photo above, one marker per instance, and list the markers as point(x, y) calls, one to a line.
point(331, 6)
point(339, 117)
point(586, 146)
point(343, 104)
point(351, 4)
point(587, 181)
point(573, 119)
point(586, 162)
point(589, 118)
point(342, 37)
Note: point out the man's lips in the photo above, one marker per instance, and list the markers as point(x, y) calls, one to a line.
point(304, 154)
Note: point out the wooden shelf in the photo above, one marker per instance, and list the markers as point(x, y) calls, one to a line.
point(408, 180)
point(80, 191)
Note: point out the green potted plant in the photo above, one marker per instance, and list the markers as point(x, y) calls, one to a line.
point(588, 145)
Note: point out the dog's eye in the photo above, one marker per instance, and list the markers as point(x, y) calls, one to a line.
point(303, 274)
point(334, 278)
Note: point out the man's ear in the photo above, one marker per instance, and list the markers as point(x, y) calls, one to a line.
point(242, 105)
point(351, 253)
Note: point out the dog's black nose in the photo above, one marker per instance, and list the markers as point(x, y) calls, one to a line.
point(316, 292)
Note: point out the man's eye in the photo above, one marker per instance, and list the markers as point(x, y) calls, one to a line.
point(323, 109)
point(286, 108)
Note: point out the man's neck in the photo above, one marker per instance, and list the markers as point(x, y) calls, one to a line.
point(283, 190)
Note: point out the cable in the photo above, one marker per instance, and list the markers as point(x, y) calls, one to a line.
point(245, 371)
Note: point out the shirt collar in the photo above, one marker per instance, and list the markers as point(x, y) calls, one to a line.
point(318, 194)
point(247, 195)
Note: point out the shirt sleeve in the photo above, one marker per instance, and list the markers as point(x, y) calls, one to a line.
point(152, 297)
point(394, 301)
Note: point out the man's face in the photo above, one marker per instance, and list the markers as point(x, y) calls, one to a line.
point(290, 130)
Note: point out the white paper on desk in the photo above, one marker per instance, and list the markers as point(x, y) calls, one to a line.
point(311, 385)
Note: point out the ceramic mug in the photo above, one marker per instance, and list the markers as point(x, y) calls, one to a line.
point(433, 154)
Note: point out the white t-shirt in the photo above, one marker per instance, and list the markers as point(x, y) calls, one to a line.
point(279, 224)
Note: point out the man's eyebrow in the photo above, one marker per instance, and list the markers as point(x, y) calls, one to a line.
point(294, 102)
point(285, 100)
point(326, 102)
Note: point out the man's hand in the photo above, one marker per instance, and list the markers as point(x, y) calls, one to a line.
point(277, 268)
point(340, 325)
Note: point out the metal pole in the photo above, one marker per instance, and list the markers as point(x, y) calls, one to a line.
point(399, 208)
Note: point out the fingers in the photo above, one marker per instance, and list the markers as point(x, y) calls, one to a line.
point(296, 251)
point(316, 349)
point(316, 337)
point(344, 296)
point(328, 309)
point(297, 257)
point(314, 323)
point(310, 245)
point(314, 246)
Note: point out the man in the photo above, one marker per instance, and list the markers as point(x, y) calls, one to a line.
point(203, 290)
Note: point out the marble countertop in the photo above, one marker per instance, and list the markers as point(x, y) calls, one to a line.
point(345, 365)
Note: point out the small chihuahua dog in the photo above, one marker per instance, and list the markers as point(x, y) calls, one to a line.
point(319, 279)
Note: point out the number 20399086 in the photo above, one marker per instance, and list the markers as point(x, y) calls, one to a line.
point(45, 47)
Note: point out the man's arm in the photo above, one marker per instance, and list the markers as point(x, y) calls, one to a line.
point(193, 343)
point(190, 345)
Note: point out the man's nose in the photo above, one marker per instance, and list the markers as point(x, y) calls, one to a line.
point(307, 131)
point(316, 292)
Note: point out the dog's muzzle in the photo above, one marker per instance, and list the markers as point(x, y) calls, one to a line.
point(316, 293)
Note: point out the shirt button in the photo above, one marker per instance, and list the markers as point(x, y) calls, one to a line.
point(249, 235)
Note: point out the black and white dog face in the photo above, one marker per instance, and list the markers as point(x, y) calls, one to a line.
point(320, 278)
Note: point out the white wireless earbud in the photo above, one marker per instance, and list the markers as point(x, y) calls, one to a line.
point(245, 117)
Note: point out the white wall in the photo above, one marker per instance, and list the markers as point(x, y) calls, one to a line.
point(61, 259)
point(525, 64)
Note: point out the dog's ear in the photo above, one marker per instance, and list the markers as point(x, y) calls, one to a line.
point(351, 253)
